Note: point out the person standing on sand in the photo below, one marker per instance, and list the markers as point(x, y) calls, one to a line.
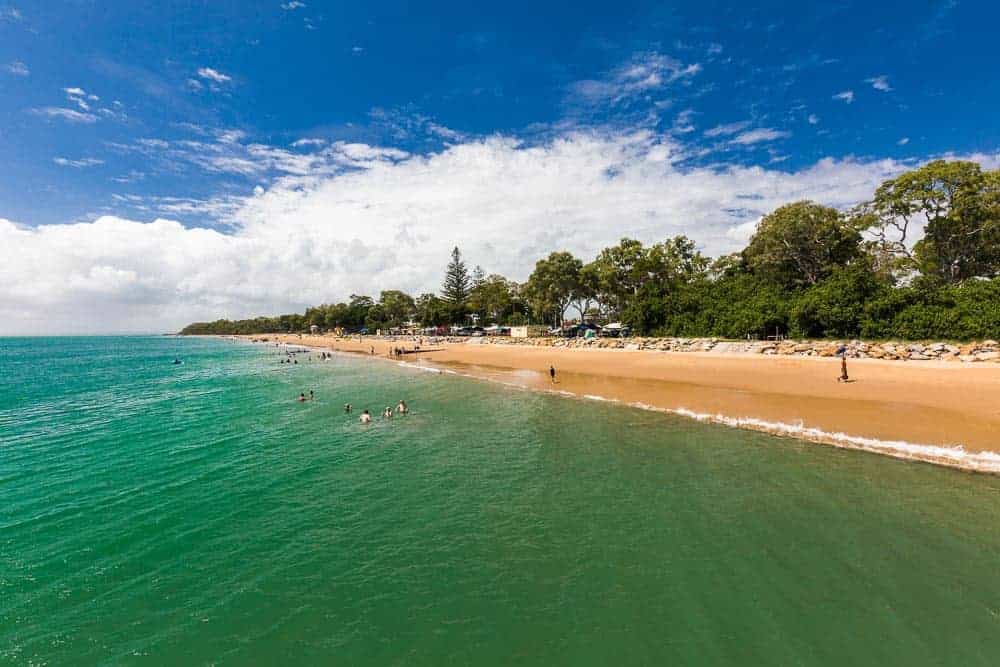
point(552, 374)
point(843, 369)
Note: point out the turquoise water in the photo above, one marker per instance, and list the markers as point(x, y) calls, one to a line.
point(197, 514)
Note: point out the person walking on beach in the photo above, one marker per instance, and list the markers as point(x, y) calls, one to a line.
point(552, 374)
point(843, 369)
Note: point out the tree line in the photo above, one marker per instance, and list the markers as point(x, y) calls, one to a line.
point(808, 271)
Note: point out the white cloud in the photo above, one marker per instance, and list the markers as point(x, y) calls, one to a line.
point(293, 5)
point(82, 162)
point(17, 68)
point(213, 75)
point(74, 92)
point(903, 141)
point(880, 83)
point(309, 142)
point(727, 129)
point(757, 136)
point(813, 119)
point(389, 220)
point(846, 96)
point(69, 115)
point(683, 122)
point(641, 75)
point(10, 14)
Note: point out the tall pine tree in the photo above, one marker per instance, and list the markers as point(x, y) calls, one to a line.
point(455, 289)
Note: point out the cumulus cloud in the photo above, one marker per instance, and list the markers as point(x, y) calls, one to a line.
point(880, 83)
point(845, 96)
point(17, 68)
point(213, 75)
point(386, 223)
point(813, 119)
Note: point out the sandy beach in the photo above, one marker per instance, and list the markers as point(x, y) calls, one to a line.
point(937, 412)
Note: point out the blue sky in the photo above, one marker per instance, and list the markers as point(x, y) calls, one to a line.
point(248, 117)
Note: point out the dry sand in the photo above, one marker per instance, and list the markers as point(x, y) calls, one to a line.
point(938, 412)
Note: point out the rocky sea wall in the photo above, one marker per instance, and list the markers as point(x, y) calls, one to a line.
point(984, 351)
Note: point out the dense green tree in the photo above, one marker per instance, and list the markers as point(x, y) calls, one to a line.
point(456, 286)
point(552, 284)
point(455, 289)
point(619, 275)
point(492, 299)
point(959, 205)
point(835, 308)
point(431, 310)
point(397, 307)
point(585, 292)
point(800, 244)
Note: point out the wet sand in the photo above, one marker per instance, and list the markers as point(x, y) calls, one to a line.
point(932, 411)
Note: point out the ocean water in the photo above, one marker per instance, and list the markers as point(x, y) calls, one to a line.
point(153, 513)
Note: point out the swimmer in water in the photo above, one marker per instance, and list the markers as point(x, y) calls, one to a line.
point(387, 413)
point(401, 408)
point(302, 398)
point(311, 395)
point(347, 407)
point(366, 418)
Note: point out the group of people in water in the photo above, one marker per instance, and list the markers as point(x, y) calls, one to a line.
point(366, 416)
point(387, 413)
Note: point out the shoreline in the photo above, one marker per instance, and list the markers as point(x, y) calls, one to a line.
point(935, 412)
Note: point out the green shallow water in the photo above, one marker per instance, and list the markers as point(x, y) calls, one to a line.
point(196, 514)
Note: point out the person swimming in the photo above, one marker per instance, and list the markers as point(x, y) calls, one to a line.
point(176, 361)
point(302, 398)
point(401, 407)
point(387, 413)
point(347, 407)
point(366, 417)
point(311, 395)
